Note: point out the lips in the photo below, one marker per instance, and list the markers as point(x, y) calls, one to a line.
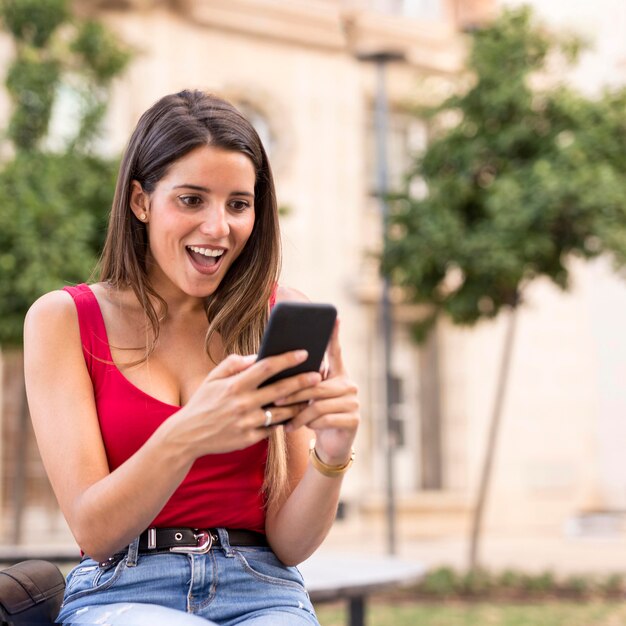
point(205, 260)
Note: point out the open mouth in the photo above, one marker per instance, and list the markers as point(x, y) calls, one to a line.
point(205, 258)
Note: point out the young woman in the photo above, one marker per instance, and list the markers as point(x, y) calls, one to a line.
point(188, 502)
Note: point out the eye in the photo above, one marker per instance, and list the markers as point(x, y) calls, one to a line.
point(239, 205)
point(190, 200)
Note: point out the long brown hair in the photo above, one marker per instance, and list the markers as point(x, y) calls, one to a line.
point(238, 309)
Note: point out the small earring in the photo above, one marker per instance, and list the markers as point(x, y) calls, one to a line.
point(142, 217)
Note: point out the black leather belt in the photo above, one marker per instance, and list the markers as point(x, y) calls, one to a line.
point(194, 540)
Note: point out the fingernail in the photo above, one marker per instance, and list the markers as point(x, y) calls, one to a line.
point(288, 428)
point(301, 355)
point(279, 401)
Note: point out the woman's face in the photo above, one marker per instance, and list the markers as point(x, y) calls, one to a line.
point(199, 218)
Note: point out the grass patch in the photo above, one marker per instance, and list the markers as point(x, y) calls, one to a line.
point(385, 613)
point(448, 597)
point(515, 586)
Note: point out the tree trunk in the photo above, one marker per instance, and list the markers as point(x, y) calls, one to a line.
point(430, 410)
point(494, 427)
point(19, 478)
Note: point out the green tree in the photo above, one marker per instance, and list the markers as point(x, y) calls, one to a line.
point(53, 198)
point(518, 179)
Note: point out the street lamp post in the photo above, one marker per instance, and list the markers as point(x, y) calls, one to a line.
point(381, 60)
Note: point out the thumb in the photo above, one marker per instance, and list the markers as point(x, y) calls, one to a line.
point(231, 365)
point(335, 359)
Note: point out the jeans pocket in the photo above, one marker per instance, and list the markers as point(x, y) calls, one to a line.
point(78, 575)
point(89, 576)
point(264, 565)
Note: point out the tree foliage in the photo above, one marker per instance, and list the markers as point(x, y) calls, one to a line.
point(523, 178)
point(53, 199)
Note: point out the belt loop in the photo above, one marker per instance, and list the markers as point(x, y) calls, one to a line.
point(225, 541)
point(133, 551)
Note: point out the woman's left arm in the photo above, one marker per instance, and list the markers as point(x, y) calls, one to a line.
point(296, 526)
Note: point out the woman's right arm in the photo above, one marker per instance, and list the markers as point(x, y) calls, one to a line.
point(107, 510)
point(104, 510)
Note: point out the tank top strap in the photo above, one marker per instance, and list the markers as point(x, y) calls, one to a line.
point(273, 296)
point(93, 334)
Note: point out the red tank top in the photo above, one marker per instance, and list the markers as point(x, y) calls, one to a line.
point(220, 490)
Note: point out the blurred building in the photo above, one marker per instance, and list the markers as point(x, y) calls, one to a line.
point(293, 68)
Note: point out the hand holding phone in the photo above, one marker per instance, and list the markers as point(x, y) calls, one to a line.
point(298, 326)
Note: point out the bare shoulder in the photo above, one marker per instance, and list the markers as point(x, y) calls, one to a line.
point(51, 326)
point(51, 336)
point(289, 294)
point(55, 308)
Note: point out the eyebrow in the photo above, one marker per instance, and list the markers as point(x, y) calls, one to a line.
point(207, 190)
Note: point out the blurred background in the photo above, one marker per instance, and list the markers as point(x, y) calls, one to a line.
point(323, 81)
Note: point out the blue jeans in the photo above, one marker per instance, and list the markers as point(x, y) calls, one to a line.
point(225, 587)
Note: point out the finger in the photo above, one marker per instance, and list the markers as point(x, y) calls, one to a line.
point(324, 367)
point(287, 387)
point(330, 388)
point(335, 359)
point(268, 419)
point(317, 414)
point(274, 416)
point(258, 434)
point(231, 365)
point(337, 421)
point(266, 368)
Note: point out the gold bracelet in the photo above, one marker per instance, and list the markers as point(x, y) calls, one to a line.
point(331, 471)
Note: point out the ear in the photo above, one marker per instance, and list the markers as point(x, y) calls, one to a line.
point(139, 202)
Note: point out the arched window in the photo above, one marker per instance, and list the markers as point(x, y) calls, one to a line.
point(261, 124)
point(418, 9)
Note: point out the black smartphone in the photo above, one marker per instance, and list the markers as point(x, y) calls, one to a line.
point(298, 326)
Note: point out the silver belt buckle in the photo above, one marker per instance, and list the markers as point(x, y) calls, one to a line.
point(204, 539)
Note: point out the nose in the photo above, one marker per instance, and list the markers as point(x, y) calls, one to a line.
point(215, 223)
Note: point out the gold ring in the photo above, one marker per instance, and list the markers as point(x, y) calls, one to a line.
point(268, 419)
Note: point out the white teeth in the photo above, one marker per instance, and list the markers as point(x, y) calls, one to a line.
point(206, 251)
